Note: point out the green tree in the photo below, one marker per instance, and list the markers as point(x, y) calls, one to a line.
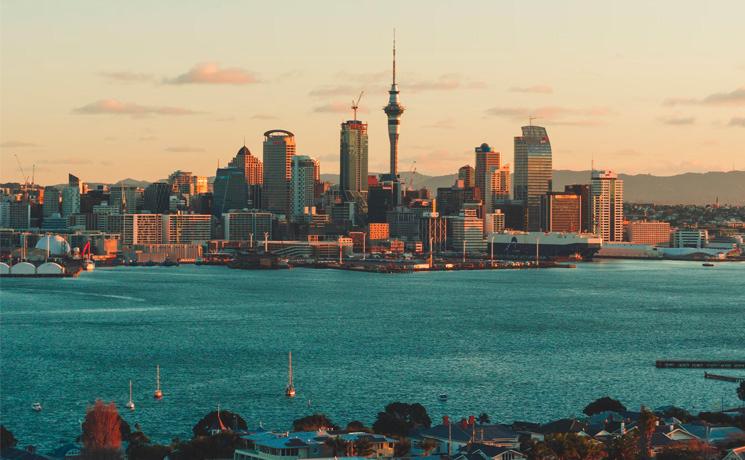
point(603, 404)
point(313, 422)
point(399, 419)
point(210, 422)
point(646, 425)
point(363, 447)
point(484, 418)
point(356, 425)
point(624, 447)
point(7, 440)
point(338, 446)
point(221, 445)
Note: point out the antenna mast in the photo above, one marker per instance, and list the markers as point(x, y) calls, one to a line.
point(394, 55)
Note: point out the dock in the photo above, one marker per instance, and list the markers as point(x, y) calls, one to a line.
point(724, 378)
point(699, 364)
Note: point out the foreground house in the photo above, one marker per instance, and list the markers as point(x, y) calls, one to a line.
point(269, 445)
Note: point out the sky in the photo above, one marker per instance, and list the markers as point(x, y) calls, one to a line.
point(108, 90)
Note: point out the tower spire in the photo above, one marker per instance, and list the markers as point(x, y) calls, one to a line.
point(394, 55)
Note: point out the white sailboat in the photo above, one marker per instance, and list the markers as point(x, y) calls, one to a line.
point(130, 403)
point(290, 390)
point(158, 393)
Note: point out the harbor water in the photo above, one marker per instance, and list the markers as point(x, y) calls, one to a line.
point(517, 344)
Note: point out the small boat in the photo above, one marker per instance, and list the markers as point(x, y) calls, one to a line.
point(708, 264)
point(130, 403)
point(88, 265)
point(158, 393)
point(36, 407)
point(443, 397)
point(290, 390)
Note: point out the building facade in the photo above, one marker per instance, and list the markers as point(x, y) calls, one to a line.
point(606, 192)
point(467, 232)
point(302, 186)
point(247, 226)
point(51, 201)
point(487, 160)
point(279, 148)
point(353, 157)
point(186, 228)
point(70, 200)
point(648, 232)
point(561, 212)
point(533, 163)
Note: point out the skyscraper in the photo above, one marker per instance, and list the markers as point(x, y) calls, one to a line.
point(353, 157)
point(51, 201)
point(181, 182)
point(606, 195)
point(252, 167)
point(486, 160)
point(532, 172)
point(467, 175)
point(230, 191)
point(279, 148)
point(561, 212)
point(302, 185)
point(156, 197)
point(394, 110)
point(70, 200)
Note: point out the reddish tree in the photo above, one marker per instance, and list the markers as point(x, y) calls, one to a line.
point(647, 426)
point(102, 428)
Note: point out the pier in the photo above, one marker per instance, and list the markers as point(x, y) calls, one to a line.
point(724, 378)
point(699, 364)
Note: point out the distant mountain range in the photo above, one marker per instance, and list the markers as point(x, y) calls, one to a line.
point(688, 188)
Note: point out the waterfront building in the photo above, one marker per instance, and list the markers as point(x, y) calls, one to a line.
point(244, 226)
point(378, 231)
point(267, 445)
point(380, 199)
point(156, 197)
point(494, 222)
point(230, 191)
point(606, 191)
point(467, 232)
point(393, 111)
point(452, 199)
point(186, 228)
point(533, 163)
point(54, 223)
point(689, 238)
point(70, 200)
point(51, 201)
point(583, 190)
point(561, 212)
point(487, 160)
point(302, 186)
point(159, 253)
point(514, 213)
point(18, 215)
point(648, 232)
point(433, 229)
point(353, 157)
point(468, 175)
point(279, 148)
point(403, 222)
point(139, 228)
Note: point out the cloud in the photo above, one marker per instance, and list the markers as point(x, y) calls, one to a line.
point(116, 107)
point(447, 123)
point(128, 77)
point(211, 73)
point(183, 149)
point(365, 77)
point(732, 98)
point(737, 121)
point(566, 116)
point(678, 121)
point(445, 82)
point(65, 161)
point(18, 145)
point(147, 138)
point(535, 89)
point(263, 116)
point(337, 107)
point(334, 90)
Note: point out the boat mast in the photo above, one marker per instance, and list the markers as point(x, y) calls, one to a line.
point(157, 377)
point(130, 391)
point(289, 374)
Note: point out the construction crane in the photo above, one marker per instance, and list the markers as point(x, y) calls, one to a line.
point(20, 168)
point(412, 173)
point(356, 104)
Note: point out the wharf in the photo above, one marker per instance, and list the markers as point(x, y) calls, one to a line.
point(699, 364)
point(724, 378)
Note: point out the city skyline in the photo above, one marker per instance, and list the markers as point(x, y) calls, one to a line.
point(145, 116)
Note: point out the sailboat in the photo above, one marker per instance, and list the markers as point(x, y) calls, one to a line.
point(158, 393)
point(290, 390)
point(130, 403)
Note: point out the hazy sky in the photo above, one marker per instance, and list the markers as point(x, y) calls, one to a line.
point(109, 90)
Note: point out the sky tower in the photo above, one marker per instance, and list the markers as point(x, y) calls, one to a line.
point(394, 110)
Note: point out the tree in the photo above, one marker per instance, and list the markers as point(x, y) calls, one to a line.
point(210, 422)
point(624, 447)
point(692, 450)
point(221, 445)
point(402, 448)
point(338, 446)
point(356, 425)
point(741, 391)
point(603, 404)
point(399, 419)
point(313, 422)
point(679, 413)
point(484, 418)
point(7, 440)
point(139, 447)
point(646, 425)
point(102, 435)
point(428, 445)
point(567, 446)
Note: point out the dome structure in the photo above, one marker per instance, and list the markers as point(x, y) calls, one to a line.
point(57, 245)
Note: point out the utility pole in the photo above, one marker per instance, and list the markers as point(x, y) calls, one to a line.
point(364, 238)
point(464, 250)
point(266, 242)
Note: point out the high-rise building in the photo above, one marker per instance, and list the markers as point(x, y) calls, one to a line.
point(74, 181)
point(533, 164)
point(181, 182)
point(243, 226)
point(186, 228)
point(561, 212)
point(468, 175)
point(302, 185)
point(353, 157)
point(70, 200)
point(606, 191)
point(156, 197)
point(124, 197)
point(468, 232)
point(51, 201)
point(487, 159)
point(494, 222)
point(497, 187)
point(200, 184)
point(140, 228)
point(15, 214)
point(279, 148)
point(648, 232)
point(583, 190)
point(394, 110)
point(252, 167)
point(230, 191)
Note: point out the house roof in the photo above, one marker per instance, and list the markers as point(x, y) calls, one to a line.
point(12, 453)
point(564, 425)
point(714, 434)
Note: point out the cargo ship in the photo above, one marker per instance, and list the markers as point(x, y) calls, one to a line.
point(547, 245)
